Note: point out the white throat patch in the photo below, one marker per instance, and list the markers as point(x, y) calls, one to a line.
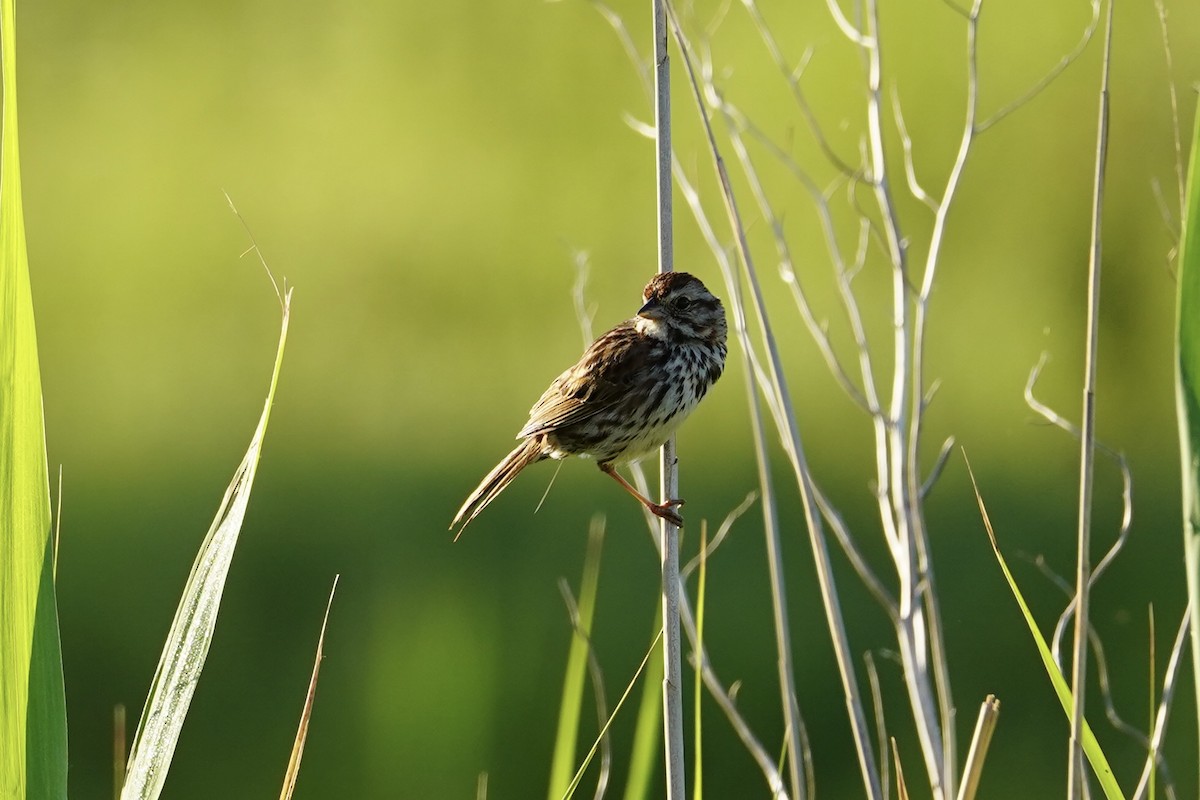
point(651, 327)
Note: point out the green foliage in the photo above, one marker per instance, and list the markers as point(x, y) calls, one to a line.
point(562, 765)
point(647, 733)
point(429, 211)
point(1091, 747)
point(33, 723)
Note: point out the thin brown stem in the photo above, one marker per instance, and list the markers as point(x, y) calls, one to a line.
point(1075, 775)
point(791, 440)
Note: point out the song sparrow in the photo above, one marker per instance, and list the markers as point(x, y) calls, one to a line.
point(627, 394)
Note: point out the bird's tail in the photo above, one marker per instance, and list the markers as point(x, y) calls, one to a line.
point(526, 453)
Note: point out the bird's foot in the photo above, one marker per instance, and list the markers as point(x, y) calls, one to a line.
point(667, 511)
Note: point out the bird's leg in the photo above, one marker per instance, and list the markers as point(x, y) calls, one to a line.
point(665, 510)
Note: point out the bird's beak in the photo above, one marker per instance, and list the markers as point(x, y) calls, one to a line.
point(652, 309)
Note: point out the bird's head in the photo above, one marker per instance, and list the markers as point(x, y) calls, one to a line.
point(678, 306)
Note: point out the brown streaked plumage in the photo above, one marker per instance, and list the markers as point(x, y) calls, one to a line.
point(626, 395)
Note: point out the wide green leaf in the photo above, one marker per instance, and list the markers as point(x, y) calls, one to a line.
point(33, 720)
point(1187, 391)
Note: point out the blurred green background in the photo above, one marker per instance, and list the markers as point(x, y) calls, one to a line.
point(422, 174)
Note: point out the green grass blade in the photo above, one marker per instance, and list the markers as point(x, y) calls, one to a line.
point(1187, 392)
point(647, 732)
point(191, 633)
point(562, 768)
point(1152, 706)
point(33, 719)
point(655, 647)
point(1091, 747)
point(697, 718)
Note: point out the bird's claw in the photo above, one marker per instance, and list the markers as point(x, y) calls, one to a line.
point(667, 511)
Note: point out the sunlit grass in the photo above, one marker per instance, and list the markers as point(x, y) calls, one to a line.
point(563, 762)
point(1091, 747)
point(187, 645)
point(1187, 391)
point(33, 723)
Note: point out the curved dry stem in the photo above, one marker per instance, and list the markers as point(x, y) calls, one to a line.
point(1175, 132)
point(1051, 76)
point(797, 742)
point(716, 541)
point(940, 666)
point(640, 64)
point(939, 465)
point(258, 253)
point(918, 630)
point(797, 749)
point(794, 723)
point(865, 574)
point(906, 142)
point(792, 76)
point(721, 695)
point(1056, 419)
point(848, 30)
point(866, 398)
point(1151, 742)
point(791, 441)
point(817, 330)
point(585, 314)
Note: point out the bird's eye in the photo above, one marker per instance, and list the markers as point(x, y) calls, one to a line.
point(682, 303)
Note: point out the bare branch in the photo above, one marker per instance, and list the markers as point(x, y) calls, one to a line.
point(1051, 76)
point(938, 467)
point(584, 314)
point(791, 440)
point(723, 531)
point(787, 270)
point(640, 64)
point(848, 30)
point(792, 76)
point(842, 533)
point(910, 172)
point(1051, 416)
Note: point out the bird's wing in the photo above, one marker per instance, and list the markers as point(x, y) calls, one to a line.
point(596, 383)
